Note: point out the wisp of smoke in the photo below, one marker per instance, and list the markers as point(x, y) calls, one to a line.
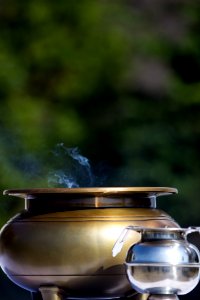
point(74, 169)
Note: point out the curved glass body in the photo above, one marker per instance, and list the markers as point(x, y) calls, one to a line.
point(163, 262)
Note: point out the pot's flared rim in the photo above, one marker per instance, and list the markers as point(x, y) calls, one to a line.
point(94, 191)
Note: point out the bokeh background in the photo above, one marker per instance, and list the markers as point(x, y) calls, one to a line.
point(120, 80)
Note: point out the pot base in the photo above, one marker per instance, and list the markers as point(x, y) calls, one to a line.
point(55, 293)
point(163, 297)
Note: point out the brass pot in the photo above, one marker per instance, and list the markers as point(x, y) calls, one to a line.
point(64, 238)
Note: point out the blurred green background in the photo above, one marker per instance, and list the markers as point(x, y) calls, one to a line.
point(118, 79)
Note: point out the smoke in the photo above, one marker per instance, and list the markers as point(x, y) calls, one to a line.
point(59, 178)
point(72, 169)
point(62, 167)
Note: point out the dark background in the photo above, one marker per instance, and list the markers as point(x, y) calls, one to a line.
point(120, 80)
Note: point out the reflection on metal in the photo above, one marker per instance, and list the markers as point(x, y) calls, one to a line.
point(64, 238)
point(51, 293)
point(163, 262)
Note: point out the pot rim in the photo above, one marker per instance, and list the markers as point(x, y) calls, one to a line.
point(94, 191)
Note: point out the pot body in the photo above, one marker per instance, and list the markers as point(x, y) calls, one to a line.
point(66, 239)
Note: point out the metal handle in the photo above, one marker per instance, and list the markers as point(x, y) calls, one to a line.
point(121, 239)
point(191, 229)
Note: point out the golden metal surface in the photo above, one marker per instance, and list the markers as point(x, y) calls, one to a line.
point(51, 293)
point(71, 247)
point(96, 191)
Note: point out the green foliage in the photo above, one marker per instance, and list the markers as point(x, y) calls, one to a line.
point(120, 80)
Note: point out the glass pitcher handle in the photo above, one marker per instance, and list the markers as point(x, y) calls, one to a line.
point(191, 229)
point(121, 239)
